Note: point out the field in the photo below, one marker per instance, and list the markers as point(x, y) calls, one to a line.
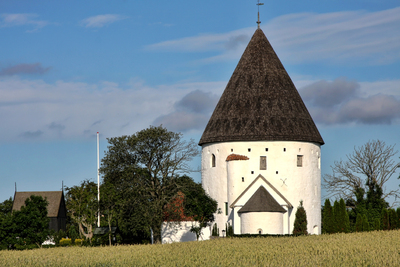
point(358, 249)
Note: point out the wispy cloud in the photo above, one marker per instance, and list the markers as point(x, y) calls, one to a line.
point(35, 68)
point(100, 21)
point(12, 20)
point(342, 101)
point(305, 37)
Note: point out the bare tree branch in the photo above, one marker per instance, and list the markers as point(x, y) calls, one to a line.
point(368, 164)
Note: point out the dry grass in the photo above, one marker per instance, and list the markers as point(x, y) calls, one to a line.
point(358, 249)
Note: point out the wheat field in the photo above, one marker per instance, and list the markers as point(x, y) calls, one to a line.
point(379, 248)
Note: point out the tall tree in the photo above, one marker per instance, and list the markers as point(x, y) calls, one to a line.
point(369, 165)
point(343, 217)
point(6, 229)
point(359, 223)
point(82, 206)
point(109, 201)
point(328, 220)
point(300, 221)
point(145, 167)
point(31, 223)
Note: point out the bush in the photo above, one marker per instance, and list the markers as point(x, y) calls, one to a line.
point(78, 242)
point(65, 242)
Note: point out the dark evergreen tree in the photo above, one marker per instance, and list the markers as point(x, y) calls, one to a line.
point(377, 224)
point(327, 218)
point(300, 221)
point(343, 218)
point(374, 202)
point(393, 219)
point(336, 217)
point(385, 219)
point(366, 227)
point(359, 223)
point(215, 230)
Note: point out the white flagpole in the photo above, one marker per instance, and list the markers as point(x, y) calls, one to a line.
point(98, 180)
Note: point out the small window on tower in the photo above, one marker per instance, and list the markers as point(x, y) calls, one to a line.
point(266, 150)
point(226, 208)
point(299, 161)
point(242, 179)
point(263, 162)
point(213, 160)
point(249, 149)
point(284, 150)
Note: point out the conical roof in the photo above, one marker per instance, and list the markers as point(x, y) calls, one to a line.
point(262, 201)
point(260, 102)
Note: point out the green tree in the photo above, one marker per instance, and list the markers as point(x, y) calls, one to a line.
point(6, 231)
point(215, 230)
point(328, 220)
point(385, 219)
point(377, 224)
point(144, 168)
point(374, 202)
point(393, 219)
point(336, 217)
point(82, 207)
point(344, 223)
point(366, 225)
point(359, 223)
point(109, 201)
point(300, 221)
point(31, 223)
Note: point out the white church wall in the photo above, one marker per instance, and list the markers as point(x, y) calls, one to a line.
point(180, 232)
point(293, 182)
point(267, 222)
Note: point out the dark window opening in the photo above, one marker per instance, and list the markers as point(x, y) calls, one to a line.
point(249, 149)
point(276, 172)
point(226, 208)
point(252, 172)
point(284, 150)
point(263, 162)
point(299, 161)
point(242, 179)
point(266, 149)
point(213, 160)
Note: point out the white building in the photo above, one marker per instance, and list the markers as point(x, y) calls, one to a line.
point(261, 151)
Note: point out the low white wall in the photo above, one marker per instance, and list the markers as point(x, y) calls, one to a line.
point(180, 232)
point(268, 222)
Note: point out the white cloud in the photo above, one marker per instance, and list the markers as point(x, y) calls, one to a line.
point(305, 37)
point(101, 20)
point(12, 20)
point(36, 109)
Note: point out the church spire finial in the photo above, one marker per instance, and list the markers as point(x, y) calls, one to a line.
point(259, 4)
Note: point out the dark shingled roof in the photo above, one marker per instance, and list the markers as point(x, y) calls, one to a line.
point(260, 102)
point(53, 197)
point(262, 201)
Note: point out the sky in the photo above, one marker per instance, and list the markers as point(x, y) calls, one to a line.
point(69, 69)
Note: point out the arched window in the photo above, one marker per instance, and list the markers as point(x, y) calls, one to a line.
point(213, 161)
point(259, 231)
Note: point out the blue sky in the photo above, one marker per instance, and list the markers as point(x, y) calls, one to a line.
point(70, 69)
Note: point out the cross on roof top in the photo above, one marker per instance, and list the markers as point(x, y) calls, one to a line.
point(259, 4)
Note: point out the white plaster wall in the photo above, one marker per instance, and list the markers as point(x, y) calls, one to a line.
point(269, 222)
point(294, 183)
point(180, 232)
